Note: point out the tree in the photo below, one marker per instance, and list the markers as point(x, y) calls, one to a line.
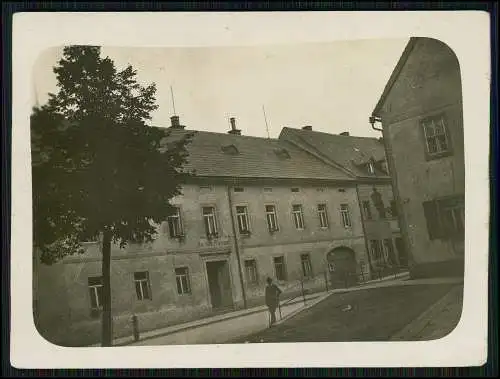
point(99, 172)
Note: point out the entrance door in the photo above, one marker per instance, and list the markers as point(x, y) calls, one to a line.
point(342, 267)
point(219, 284)
point(400, 247)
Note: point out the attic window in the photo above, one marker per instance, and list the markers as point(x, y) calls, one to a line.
point(268, 189)
point(282, 153)
point(238, 189)
point(230, 149)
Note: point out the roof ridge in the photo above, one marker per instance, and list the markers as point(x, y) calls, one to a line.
point(331, 134)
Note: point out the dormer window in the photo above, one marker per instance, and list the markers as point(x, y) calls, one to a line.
point(230, 150)
point(282, 153)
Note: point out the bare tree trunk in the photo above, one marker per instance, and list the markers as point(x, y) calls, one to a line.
point(106, 339)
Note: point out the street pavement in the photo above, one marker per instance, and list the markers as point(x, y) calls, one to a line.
point(225, 328)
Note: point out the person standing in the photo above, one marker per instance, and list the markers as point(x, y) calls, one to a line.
point(272, 298)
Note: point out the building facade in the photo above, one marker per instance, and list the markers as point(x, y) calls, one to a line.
point(363, 159)
point(421, 115)
point(255, 208)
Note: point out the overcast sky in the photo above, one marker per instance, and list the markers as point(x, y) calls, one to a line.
point(333, 87)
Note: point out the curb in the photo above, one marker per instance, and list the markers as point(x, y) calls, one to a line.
point(419, 323)
point(317, 300)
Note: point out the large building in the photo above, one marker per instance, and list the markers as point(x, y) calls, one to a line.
point(255, 208)
point(421, 115)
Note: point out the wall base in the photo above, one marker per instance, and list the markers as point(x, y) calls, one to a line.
point(450, 268)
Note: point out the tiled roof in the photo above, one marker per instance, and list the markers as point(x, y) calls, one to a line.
point(227, 155)
point(348, 151)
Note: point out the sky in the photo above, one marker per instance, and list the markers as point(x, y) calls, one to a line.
point(331, 86)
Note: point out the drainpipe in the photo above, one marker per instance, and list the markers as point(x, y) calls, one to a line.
point(236, 246)
point(394, 180)
point(367, 246)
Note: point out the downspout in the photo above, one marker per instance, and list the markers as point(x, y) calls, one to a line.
point(367, 246)
point(395, 190)
point(236, 246)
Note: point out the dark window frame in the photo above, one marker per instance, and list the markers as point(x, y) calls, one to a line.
point(439, 154)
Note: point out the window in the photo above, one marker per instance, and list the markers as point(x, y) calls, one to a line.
point(445, 218)
point(95, 292)
point(320, 189)
point(268, 189)
point(272, 220)
point(389, 251)
point(323, 216)
point(298, 216)
point(341, 190)
point(174, 224)
point(394, 209)
point(210, 221)
point(345, 215)
point(371, 168)
point(282, 153)
point(376, 250)
point(182, 280)
point(251, 271)
point(305, 260)
point(142, 285)
point(242, 217)
point(279, 268)
point(295, 189)
point(230, 150)
point(207, 188)
point(367, 211)
point(436, 139)
point(239, 189)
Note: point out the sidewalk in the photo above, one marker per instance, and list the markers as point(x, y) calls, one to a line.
point(437, 321)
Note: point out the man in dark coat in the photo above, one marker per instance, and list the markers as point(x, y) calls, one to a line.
point(272, 298)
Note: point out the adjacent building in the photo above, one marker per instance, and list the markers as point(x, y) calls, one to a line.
point(421, 115)
point(364, 159)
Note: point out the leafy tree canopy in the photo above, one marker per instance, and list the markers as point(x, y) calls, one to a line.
point(97, 166)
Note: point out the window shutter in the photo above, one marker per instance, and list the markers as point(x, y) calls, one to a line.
point(432, 218)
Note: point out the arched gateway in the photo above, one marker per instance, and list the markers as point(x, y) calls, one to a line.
point(342, 267)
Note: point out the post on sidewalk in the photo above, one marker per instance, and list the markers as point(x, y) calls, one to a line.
point(303, 293)
point(135, 327)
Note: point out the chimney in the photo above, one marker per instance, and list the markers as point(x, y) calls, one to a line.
point(307, 127)
point(344, 134)
point(233, 130)
point(175, 123)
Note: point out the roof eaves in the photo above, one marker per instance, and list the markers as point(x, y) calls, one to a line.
point(395, 74)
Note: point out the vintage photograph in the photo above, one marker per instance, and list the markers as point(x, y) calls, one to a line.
point(309, 192)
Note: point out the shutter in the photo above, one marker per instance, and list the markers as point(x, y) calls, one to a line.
point(432, 218)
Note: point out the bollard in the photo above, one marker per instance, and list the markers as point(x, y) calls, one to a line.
point(303, 294)
point(135, 327)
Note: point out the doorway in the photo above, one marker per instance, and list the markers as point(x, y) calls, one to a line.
point(219, 284)
point(403, 256)
point(342, 267)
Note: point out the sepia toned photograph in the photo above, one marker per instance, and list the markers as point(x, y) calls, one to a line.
point(306, 192)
